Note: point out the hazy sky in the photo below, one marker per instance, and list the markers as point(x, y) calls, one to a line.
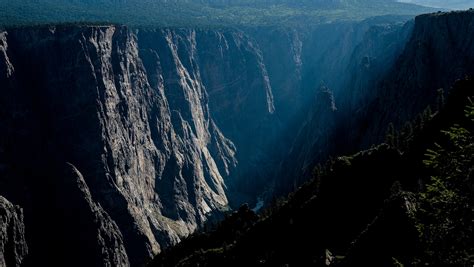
point(451, 4)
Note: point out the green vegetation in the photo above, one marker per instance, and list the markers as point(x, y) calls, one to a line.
point(447, 211)
point(198, 13)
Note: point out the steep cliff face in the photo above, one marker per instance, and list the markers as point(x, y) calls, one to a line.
point(439, 52)
point(142, 138)
point(328, 69)
point(227, 68)
point(392, 75)
point(13, 247)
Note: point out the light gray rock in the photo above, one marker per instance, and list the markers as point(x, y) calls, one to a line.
point(152, 157)
point(13, 247)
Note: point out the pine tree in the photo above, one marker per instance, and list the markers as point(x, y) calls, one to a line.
point(446, 204)
point(440, 99)
point(427, 114)
point(391, 136)
point(406, 136)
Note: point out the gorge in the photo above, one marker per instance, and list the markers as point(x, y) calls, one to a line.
point(117, 142)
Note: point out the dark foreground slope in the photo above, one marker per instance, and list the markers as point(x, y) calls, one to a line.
point(386, 206)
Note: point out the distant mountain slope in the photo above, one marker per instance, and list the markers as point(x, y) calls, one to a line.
point(450, 4)
point(198, 12)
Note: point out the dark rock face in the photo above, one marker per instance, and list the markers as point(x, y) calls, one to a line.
point(439, 52)
point(394, 225)
point(335, 76)
point(13, 247)
point(393, 75)
point(301, 63)
point(97, 235)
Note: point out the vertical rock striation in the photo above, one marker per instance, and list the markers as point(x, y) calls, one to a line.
point(143, 140)
point(13, 247)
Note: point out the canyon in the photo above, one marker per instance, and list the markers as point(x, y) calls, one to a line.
point(116, 142)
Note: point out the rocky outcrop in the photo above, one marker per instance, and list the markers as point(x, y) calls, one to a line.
point(13, 247)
